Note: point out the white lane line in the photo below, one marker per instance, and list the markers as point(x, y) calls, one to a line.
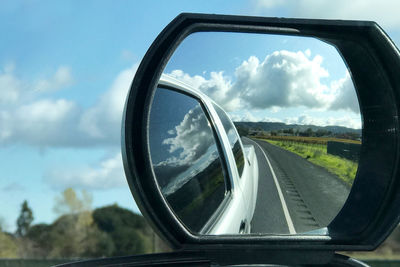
point(278, 188)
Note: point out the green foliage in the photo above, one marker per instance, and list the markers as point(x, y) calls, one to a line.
point(310, 140)
point(79, 232)
point(316, 153)
point(76, 235)
point(242, 131)
point(129, 232)
point(39, 236)
point(70, 236)
point(24, 220)
point(8, 246)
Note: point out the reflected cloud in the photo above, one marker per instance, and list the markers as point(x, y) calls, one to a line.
point(188, 147)
point(283, 79)
point(192, 138)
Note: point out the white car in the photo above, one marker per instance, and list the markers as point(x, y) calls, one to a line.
point(207, 176)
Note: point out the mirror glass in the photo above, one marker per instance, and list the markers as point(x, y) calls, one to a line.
point(255, 133)
point(185, 158)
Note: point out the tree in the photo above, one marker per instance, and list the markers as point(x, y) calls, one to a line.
point(24, 220)
point(8, 246)
point(37, 243)
point(71, 203)
point(321, 132)
point(129, 231)
point(77, 236)
point(242, 131)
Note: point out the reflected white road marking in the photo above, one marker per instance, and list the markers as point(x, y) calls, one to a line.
point(278, 188)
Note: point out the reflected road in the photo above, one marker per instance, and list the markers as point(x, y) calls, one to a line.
point(301, 198)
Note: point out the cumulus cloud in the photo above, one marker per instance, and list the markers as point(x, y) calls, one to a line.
point(10, 85)
point(218, 87)
point(47, 122)
point(61, 78)
point(346, 97)
point(191, 138)
point(102, 121)
point(384, 12)
point(43, 123)
point(345, 121)
point(283, 79)
point(304, 119)
point(106, 174)
point(187, 152)
point(244, 116)
point(250, 116)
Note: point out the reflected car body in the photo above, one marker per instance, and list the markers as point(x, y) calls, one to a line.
point(237, 209)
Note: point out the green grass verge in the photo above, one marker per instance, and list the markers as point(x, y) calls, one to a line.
point(316, 153)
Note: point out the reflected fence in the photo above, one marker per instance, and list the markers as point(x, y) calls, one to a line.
point(348, 151)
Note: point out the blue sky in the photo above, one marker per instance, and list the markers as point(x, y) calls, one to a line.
point(256, 77)
point(65, 68)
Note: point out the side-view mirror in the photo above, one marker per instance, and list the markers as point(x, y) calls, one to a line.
point(199, 161)
point(251, 140)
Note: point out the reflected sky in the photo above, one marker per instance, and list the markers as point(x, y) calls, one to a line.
point(181, 140)
point(271, 78)
point(185, 158)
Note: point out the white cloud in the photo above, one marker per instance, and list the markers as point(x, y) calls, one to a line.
point(106, 174)
point(245, 116)
point(248, 115)
point(385, 12)
point(10, 85)
point(190, 149)
point(59, 122)
point(45, 122)
point(27, 118)
point(346, 97)
point(266, 4)
point(191, 137)
point(283, 79)
point(127, 55)
point(345, 121)
point(304, 119)
point(102, 121)
point(41, 123)
point(61, 78)
point(218, 87)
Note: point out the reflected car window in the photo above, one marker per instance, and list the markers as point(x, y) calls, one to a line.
point(185, 157)
point(233, 139)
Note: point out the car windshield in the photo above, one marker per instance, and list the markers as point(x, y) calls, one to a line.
point(66, 68)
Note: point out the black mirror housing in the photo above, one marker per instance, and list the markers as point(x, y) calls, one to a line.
point(373, 207)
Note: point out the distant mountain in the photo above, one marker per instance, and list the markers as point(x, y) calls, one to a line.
point(276, 126)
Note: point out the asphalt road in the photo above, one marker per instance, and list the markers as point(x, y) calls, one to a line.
point(294, 195)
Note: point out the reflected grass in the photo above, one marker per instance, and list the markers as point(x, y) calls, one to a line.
point(316, 153)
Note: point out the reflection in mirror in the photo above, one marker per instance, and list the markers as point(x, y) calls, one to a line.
point(294, 105)
point(185, 158)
